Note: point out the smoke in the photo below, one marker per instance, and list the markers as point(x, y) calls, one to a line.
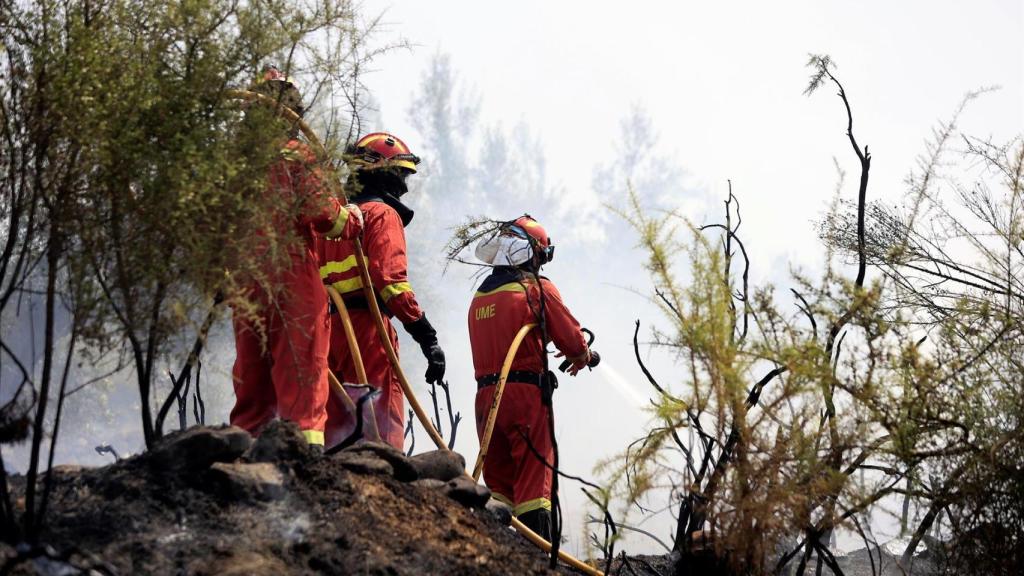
point(102, 407)
point(474, 169)
point(470, 168)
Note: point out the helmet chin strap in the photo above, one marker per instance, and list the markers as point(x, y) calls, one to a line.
point(533, 266)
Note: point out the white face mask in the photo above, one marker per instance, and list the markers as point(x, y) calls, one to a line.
point(504, 250)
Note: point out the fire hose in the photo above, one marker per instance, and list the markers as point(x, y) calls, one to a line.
point(371, 299)
point(492, 414)
point(425, 420)
point(506, 367)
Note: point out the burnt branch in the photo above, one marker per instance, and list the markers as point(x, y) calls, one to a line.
point(198, 405)
point(661, 296)
point(540, 458)
point(825, 67)
point(643, 367)
point(730, 237)
point(825, 555)
point(186, 373)
point(410, 433)
point(108, 449)
point(788, 556)
point(627, 527)
point(867, 545)
point(608, 547)
point(26, 379)
point(437, 413)
point(453, 417)
point(805, 307)
point(54, 433)
point(610, 529)
point(702, 501)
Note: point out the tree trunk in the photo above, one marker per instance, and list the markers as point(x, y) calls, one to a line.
point(53, 252)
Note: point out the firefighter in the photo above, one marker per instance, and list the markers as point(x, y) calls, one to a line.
point(380, 164)
point(513, 295)
point(281, 348)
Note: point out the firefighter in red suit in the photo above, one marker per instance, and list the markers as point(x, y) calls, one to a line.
point(512, 296)
point(380, 164)
point(280, 367)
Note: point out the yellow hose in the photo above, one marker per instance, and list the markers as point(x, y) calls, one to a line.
point(284, 111)
point(425, 420)
point(346, 321)
point(492, 415)
point(357, 359)
point(382, 331)
point(371, 298)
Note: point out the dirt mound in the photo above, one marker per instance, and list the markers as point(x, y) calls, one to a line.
point(212, 501)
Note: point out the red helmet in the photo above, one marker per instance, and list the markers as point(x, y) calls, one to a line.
point(275, 84)
point(534, 230)
point(273, 74)
point(382, 150)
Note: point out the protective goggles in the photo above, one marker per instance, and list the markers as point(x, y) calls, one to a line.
point(546, 253)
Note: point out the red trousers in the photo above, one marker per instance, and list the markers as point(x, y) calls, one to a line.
point(512, 471)
point(281, 357)
point(389, 406)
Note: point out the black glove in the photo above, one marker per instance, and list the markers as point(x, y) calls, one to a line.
point(425, 335)
point(435, 362)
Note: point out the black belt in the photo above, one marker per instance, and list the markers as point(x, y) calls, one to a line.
point(520, 376)
point(356, 303)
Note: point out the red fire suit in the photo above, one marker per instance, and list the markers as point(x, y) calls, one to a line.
point(505, 302)
point(384, 245)
point(281, 351)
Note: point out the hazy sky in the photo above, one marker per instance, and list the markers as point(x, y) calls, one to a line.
point(722, 83)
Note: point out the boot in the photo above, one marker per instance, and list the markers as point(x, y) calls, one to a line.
point(539, 521)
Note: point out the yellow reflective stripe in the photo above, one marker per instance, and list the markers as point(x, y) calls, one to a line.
point(339, 225)
point(350, 285)
point(335, 267)
point(392, 290)
point(404, 164)
point(370, 140)
point(502, 498)
point(531, 505)
point(314, 437)
point(292, 154)
point(510, 287)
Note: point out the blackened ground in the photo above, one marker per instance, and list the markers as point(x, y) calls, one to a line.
point(173, 512)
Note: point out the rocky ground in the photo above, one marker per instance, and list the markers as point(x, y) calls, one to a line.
point(880, 561)
point(213, 501)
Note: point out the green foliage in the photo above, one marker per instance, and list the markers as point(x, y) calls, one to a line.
point(134, 185)
point(826, 407)
point(467, 234)
point(765, 455)
point(822, 65)
point(148, 182)
point(953, 266)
